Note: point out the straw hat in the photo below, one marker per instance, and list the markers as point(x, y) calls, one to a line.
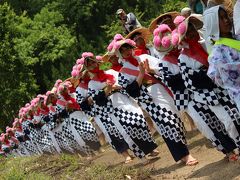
point(105, 57)
point(145, 34)
point(105, 64)
point(116, 45)
point(153, 24)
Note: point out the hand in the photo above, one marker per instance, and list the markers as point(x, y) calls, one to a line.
point(108, 89)
point(90, 101)
point(141, 68)
point(68, 106)
point(116, 87)
point(147, 68)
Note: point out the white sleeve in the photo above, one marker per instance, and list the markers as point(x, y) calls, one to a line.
point(236, 17)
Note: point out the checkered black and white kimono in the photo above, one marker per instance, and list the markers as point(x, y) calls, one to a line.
point(199, 112)
point(31, 145)
point(126, 116)
point(26, 148)
point(220, 114)
point(74, 140)
point(103, 120)
point(55, 126)
point(165, 68)
point(158, 103)
point(85, 131)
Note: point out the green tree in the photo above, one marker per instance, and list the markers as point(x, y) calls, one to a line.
point(17, 81)
point(44, 42)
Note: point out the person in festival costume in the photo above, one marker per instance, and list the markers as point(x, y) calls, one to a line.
point(193, 68)
point(169, 60)
point(23, 129)
point(149, 92)
point(26, 146)
point(224, 63)
point(82, 130)
point(53, 122)
point(141, 37)
point(39, 135)
point(14, 143)
point(101, 116)
point(81, 123)
point(5, 144)
point(224, 60)
point(124, 112)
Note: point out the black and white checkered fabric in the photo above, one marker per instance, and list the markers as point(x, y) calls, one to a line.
point(108, 108)
point(23, 150)
point(181, 98)
point(85, 129)
point(87, 132)
point(66, 130)
point(135, 126)
point(212, 122)
point(209, 97)
point(43, 139)
point(230, 108)
point(80, 98)
point(62, 141)
point(168, 123)
point(103, 113)
point(107, 122)
point(52, 124)
point(30, 147)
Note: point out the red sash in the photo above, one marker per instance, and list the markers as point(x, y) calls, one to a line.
point(61, 102)
point(196, 56)
point(83, 85)
point(147, 77)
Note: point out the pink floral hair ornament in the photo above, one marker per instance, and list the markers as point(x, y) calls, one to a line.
point(182, 24)
point(178, 20)
point(117, 45)
point(80, 61)
point(59, 81)
point(162, 39)
point(87, 54)
point(9, 130)
point(118, 37)
point(60, 88)
point(99, 58)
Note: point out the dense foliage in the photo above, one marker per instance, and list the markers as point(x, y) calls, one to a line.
point(40, 40)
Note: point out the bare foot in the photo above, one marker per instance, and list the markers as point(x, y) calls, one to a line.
point(189, 160)
point(128, 159)
point(154, 153)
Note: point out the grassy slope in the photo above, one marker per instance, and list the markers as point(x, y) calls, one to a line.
point(109, 165)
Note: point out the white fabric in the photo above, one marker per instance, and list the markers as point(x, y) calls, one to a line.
point(224, 117)
point(200, 124)
point(211, 26)
point(236, 17)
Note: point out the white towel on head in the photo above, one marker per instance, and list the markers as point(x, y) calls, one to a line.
point(236, 17)
point(211, 26)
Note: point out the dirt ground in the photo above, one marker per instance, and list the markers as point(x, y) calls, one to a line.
point(109, 165)
point(212, 164)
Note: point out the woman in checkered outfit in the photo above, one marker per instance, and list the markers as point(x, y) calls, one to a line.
point(148, 92)
point(206, 121)
point(206, 106)
point(78, 129)
point(123, 112)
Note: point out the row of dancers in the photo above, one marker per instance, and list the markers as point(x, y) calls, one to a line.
point(163, 79)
